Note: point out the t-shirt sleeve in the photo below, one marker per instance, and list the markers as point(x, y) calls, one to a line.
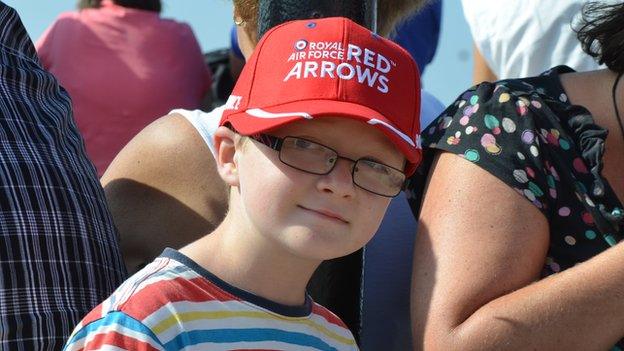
point(494, 126)
point(114, 331)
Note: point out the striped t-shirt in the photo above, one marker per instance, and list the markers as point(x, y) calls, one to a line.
point(174, 304)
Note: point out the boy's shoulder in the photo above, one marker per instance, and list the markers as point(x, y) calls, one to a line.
point(160, 289)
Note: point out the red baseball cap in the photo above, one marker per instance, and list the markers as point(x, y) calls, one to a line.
point(330, 67)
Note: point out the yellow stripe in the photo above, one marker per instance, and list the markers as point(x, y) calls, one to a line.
point(180, 318)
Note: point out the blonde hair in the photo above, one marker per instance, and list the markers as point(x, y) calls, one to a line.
point(390, 13)
point(247, 10)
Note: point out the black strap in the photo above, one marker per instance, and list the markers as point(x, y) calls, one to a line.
point(615, 107)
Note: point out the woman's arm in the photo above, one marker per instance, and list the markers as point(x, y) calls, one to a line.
point(163, 190)
point(481, 71)
point(479, 252)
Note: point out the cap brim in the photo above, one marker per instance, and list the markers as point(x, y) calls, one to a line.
point(258, 120)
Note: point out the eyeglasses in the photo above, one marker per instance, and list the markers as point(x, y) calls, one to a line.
point(314, 158)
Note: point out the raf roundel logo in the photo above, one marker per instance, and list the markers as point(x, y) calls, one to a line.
point(301, 44)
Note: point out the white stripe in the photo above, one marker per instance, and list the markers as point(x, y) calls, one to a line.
point(251, 323)
point(403, 136)
point(180, 307)
point(299, 324)
point(114, 348)
point(260, 113)
point(134, 284)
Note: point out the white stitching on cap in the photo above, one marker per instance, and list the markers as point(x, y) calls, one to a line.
point(260, 113)
point(403, 136)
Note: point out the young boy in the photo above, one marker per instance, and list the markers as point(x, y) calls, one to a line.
point(319, 133)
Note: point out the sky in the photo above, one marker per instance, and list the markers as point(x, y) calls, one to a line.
point(446, 77)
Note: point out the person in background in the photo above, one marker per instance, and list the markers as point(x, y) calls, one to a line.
point(523, 38)
point(237, 59)
point(59, 255)
point(519, 236)
point(419, 34)
point(123, 66)
point(300, 192)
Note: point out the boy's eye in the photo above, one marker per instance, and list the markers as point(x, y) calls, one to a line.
point(377, 167)
point(304, 144)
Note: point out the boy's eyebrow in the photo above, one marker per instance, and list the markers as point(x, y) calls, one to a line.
point(316, 140)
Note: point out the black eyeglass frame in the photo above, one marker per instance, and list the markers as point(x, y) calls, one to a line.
point(276, 144)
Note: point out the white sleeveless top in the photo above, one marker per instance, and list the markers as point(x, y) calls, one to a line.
point(206, 123)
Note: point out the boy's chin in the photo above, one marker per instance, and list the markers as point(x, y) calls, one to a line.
point(312, 245)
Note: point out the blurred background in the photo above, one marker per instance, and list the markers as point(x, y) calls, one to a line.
point(447, 76)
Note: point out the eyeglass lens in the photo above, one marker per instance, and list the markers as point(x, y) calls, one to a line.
point(315, 158)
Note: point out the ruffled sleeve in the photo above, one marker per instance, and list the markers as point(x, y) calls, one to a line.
point(498, 126)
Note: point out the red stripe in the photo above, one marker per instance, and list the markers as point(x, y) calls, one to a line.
point(328, 315)
point(152, 297)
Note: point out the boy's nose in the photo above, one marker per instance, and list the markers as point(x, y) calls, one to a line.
point(340, 180)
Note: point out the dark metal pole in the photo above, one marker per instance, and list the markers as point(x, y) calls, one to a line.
point(274, 12)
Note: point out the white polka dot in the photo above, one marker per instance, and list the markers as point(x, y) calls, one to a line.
point(457, 134)
point(508, 125)
point(589, 202)
point(469, 130)
point(563, 97)
point(520, 176)
point(570, 240)
point(598, 191)
point(534, 150)
point(521, 156)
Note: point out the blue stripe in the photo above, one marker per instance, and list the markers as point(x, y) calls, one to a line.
point(112, 322)
point(246, 335)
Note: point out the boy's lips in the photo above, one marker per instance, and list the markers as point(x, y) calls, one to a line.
point(326, 213)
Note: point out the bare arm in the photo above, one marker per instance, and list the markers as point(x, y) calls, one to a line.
point(481, 71)
point(163, 190)
point(479, 251)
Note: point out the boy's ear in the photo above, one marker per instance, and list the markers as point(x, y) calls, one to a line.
point(226, 142)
